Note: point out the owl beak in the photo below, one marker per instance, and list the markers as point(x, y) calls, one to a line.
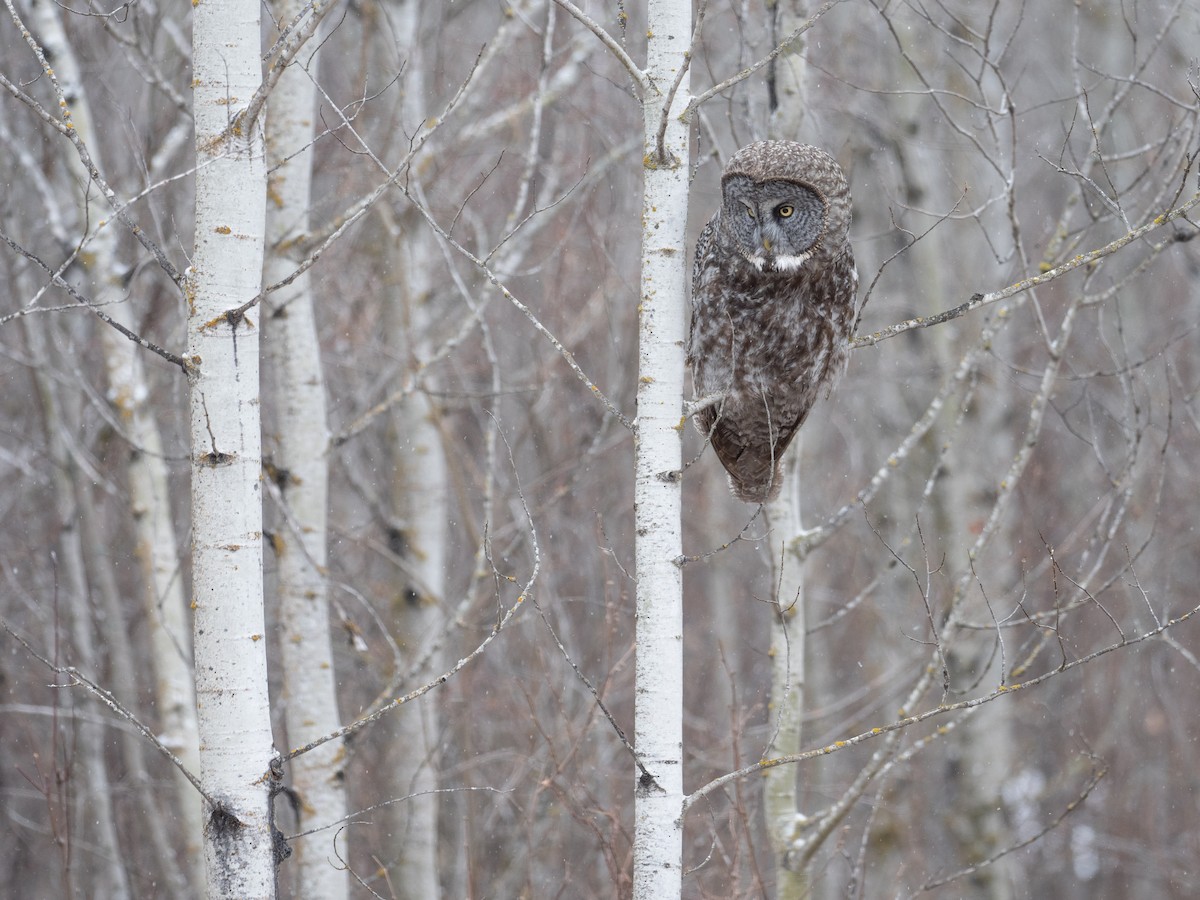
point(766, 242)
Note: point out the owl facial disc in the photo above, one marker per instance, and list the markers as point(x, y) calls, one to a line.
point(776, 224)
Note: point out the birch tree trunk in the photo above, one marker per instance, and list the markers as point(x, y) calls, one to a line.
point(226, 457)
point(788, 656)
point(155, 809)
point(91, 787)
point(146, 472)
point(301, 472)
point(419, 500)
point(789, 72)
point(980, 753)
point(166, 621)
point(789, 624)
point(419, 497)
point(658, 709)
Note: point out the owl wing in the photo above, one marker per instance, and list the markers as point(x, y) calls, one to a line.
point(709, 339)
point(704, 245)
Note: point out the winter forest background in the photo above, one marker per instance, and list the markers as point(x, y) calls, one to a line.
point(982, 629)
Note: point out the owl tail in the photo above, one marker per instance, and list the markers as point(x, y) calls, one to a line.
point(756, 489)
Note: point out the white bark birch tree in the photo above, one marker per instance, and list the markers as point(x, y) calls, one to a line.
point(658, 710)
point(788, 654)
point(419, 496)
point(93, 792)
point(300, 472)
point(226, 458)
point(150, 503)
point(789, 622)
point(419, 501)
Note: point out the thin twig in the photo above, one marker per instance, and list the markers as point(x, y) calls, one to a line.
point(980, 300)
point(909, 721)
point(67, 128)
point(614, 47)
point(970, 870)
point(106, 697)
point(751, 69)
point(58, 281)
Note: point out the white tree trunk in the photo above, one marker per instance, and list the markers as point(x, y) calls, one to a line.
point(222, 352)
point(91, 787)
point(789, 72)
point(981, 749)
point(788, 625)
point(302, 474)
point(419, 498)
point(157, 551)
point(658, 710)
point(166, 622)
point(419, 501)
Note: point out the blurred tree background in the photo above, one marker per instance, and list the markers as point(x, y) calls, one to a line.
point(1003, 496)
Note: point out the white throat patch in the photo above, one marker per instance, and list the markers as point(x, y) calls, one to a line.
point(781, 263)
point(791, 263)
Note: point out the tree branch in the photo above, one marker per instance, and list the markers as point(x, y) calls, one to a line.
point(980, 300)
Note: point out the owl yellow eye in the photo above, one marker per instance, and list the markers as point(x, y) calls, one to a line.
point(785, 211)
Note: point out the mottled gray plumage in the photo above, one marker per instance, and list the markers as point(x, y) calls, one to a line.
point(774, 291)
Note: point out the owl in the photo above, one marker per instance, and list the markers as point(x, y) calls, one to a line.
point(774, 291)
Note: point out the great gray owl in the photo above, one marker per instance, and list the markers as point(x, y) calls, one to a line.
point(774, 291)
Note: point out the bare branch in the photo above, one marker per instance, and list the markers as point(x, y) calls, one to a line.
point(980, 300)
point(970, 870)
point(635, 72)
point(937, 712)
point(112, 703)
point(66, 128)
point(58, 281)
point(745, 73)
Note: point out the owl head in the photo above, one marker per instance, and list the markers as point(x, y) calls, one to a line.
point(784, 204)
